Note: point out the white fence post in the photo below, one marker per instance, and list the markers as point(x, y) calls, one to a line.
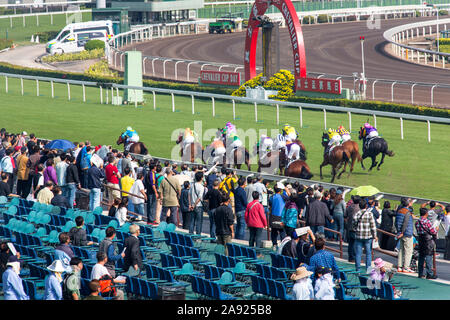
point(412, 93)
point(213, 107)
point(392, 90)
point(278, 114)
point(173, 102)
point(256, 112)
point(143, 65)
point(84, 93)
point(6, 83)
point(375, 120)
point(325, 118)
point(401, 128)
point(432, 94)
point(53, 89)
point(101, 95)
point(188, 67)
point(21, 84)
point(373, 89)
point(37, 88)
point(429, 130)
point(193, 104)
point(349, 121)
point(154, 100)
point(300, 111)
point(234, 110)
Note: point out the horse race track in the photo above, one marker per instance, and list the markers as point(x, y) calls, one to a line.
point(418, 168)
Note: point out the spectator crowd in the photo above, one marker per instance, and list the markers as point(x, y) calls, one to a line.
point(296, 218)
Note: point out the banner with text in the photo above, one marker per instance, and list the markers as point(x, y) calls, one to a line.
point(319, 85)
point(220, 77)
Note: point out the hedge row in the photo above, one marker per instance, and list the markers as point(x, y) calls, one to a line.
point(377, 106)
point(5, 43)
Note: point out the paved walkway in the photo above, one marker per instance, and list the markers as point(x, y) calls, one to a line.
point(26, 56)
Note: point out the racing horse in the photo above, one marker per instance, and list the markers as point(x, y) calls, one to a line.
point(137, 148)
point(235, 156)
point(298, 169)
point(193, 151)
point(336, 158)
point(353, 149)
point(375, 146)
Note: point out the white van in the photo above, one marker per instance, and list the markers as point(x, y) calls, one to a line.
point(75, 35)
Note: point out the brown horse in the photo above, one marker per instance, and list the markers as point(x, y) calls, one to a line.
point(336, 158)
point(137, 148)
point(298, 169)
point(193, 151)
point(353, 149)
point(271, 162)
point(234, 156)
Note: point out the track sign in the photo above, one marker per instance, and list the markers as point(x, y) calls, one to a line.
point(319, 85)
point(221, 77)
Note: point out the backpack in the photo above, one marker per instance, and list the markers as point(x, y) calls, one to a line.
point(106, 286)
point(70, 283)
point(84, 163)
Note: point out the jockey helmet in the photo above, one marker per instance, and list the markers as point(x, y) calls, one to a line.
point(367, 125)
point(129, 128)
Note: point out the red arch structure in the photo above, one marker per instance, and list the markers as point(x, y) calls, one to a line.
point(295, 34)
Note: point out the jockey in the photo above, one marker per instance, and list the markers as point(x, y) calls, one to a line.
point(264, 145)
point(131, 136)
point(218, 149)
point(334, 138)
point(289, 132)
point(370, 131)
point(188, 137)
point(229, 132)
point(345, 135)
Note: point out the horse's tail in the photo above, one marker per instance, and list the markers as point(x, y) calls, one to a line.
point(390, 153)
point(345, 156)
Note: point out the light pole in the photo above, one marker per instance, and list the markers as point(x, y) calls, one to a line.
point(362, 84)
point(437, 27)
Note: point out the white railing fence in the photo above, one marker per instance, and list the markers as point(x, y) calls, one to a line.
point(112, 92)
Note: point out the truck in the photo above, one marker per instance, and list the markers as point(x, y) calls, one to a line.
point(222, 26)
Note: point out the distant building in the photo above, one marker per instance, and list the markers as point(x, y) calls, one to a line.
point(160, 11)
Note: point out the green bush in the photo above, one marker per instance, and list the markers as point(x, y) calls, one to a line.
point(443, 12)
point(94, 44)
point(444, 41)
point(323, 18)
point(5, 43)
point(83, 55)
point(101, 69)
point(47, 35)
point(308, 20)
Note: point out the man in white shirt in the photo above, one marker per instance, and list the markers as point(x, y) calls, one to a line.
point(138, 189)
point(260, 187)
point(196, 195)
point(99, 270)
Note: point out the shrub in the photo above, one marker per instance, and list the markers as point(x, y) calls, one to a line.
point(5, 43)
point(283, 81)
point(83, 55)
point(443, 12)
point(308, 20)
point(101, 69)
point(323, 18)
point(94, 44)
point(47, 35)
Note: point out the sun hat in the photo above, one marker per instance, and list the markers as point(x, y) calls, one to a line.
point(301, 273)
point(56, 266)
point(280, 185)
point(379, 263)
point(24, 133)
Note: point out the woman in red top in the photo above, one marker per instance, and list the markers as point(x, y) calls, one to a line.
point(255, 218)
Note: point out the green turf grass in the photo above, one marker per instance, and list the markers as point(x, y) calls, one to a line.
point(418, 168)
point(21, 34)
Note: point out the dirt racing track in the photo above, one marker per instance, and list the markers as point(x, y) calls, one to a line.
point(333, 49)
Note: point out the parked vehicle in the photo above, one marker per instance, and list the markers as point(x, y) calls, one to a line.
point(75, 35)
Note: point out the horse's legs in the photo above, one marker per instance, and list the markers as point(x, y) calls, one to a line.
point(333, 173)
point(362, 161)
point(345, 168)
point(382, 160)
point(374, 162)
point(324, 163)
